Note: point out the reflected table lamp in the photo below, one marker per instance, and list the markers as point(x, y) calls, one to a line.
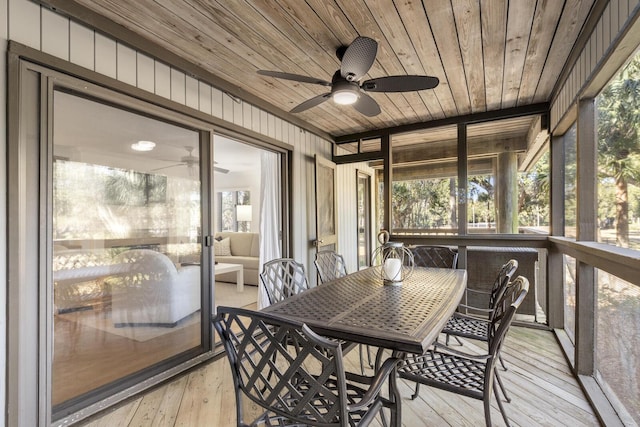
point(243, 215)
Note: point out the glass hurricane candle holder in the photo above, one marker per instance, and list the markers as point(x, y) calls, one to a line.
point(395, 261)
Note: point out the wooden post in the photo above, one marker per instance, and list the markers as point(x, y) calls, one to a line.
point(555, 272)
point(586, 285)
point(507, 194)
point(463, 172)
point(385, 144)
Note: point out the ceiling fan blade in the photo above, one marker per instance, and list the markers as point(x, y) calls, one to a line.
point(294, 77)
point(400, 83)
point(316, 100)
point(219, 169)
point(167, 167)
point(367, 105)
point(358, 58)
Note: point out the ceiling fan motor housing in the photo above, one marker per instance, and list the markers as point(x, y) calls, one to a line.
point(344, 92)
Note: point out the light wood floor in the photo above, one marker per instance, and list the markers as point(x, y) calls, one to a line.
point(543, 390)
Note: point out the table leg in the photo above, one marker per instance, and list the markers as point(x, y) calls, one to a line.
point(394, 391)
point(240, 280)
point(394, 395)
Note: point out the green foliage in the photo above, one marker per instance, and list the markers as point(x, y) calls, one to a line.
point(423, 204)
point(432, 203)
point(619, 149)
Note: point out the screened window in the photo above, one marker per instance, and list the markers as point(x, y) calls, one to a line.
point(618, 109)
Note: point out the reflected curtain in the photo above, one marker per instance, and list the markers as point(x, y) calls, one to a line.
point(269, 216)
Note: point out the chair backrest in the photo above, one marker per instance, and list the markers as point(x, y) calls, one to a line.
point(502, 280)
point(434, 256)
point(504, 312)
point(283, 277)
point(284, 368)
point(330, 265)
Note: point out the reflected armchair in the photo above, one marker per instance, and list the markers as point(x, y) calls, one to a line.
point(153, 292)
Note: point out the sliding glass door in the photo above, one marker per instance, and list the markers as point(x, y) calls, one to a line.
point(126, 231)
point(110, 248)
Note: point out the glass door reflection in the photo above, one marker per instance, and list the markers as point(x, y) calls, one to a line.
point(126, 231)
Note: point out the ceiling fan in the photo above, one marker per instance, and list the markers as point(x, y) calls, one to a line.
point(191, 162)
point(346, 89)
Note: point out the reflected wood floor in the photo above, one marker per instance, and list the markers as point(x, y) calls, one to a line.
point(543, 391)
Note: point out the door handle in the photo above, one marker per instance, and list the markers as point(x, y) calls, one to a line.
point(317, 243)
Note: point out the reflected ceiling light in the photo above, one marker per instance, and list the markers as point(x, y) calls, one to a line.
point(143, 146)
point(345, 97)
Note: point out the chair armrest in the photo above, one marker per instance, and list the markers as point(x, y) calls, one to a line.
point(478, 291)
point(470, 317)
point(481, 310)
point(441, 348)
point(375, 382)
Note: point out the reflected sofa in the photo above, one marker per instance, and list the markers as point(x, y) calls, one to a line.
point(153, 292)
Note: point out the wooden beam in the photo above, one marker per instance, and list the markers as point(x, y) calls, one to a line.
point(442, 170)
point(537, 138)
point(449, 151)
point(526, 110)
point(358, 157)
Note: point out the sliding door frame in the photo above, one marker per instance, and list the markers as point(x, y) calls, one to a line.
point(29, 357)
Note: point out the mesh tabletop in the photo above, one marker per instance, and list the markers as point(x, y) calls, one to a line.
point(360, 308)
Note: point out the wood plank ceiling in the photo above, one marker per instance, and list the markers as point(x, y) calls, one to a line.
point(488, 54)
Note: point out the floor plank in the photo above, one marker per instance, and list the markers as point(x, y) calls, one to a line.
point(543, 391)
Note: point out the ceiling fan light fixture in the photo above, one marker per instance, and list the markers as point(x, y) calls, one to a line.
point(345, 97)
point(143, 146)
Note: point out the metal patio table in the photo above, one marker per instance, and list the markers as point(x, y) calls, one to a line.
point(360, 308)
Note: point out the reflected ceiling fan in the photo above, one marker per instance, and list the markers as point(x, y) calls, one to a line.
point(191, 162)
point(346, 89)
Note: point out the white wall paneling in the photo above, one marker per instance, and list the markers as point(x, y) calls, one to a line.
point(204, 103)
point(81, 45)
point(55, 29)
point(237, 111)
point(146, 72)
point(163, 80)
point(24, 22)
point(105, 56)
point(126, 64)
point(247, 120)
point(216, 103)
point(192, 94)
point(178, 90)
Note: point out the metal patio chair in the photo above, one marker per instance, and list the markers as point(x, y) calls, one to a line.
point(475, 323)
point(467, 374)
point(295, 375)
point(330, 266)
point(283, 277)
point(434, 256)
point(474, 327)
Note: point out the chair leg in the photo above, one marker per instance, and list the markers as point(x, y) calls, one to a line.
point(360, 350)
point(446, 342)
point(502, 362)
point(416, 392)
point(504, 391)
point(500, 405)
point(369, 357)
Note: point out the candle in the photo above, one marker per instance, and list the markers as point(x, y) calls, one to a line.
point(392, 269)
